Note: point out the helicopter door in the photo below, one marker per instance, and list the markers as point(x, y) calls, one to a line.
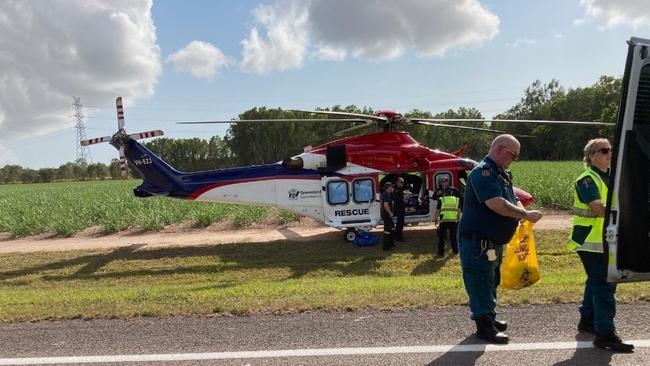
point(627, 219)
point(350, 204)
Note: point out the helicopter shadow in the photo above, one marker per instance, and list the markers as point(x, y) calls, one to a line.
point(322, 252)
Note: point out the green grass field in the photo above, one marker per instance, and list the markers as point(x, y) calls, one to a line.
point(67, 208)
point(548, 181)
point(275, 277)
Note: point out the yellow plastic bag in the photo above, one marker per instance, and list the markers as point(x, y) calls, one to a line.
point(519, 268)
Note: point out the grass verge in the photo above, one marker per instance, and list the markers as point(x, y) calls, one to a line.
point(282, 276)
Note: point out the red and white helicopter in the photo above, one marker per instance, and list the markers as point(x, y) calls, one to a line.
point(338, 183)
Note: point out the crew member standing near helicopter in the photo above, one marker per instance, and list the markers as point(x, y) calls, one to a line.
point(399, 208)
point(387, 216)
point(450, 200)
point(590, 190)
point(491, 213)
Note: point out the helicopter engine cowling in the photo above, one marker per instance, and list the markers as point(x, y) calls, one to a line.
point(305, 161)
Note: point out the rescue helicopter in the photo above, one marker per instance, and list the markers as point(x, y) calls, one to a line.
point(338, 183)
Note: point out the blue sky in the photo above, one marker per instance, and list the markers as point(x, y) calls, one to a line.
point(535, 40)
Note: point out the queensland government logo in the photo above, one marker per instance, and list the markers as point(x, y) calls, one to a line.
point(294, 194)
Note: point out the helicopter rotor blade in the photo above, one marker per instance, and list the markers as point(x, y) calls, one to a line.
point(486, 120)
point(120, 113)
point(342, 132)
point(122, 161)
point(434, 124)
point(349, 114)
point(356, 120)
point(427, 123)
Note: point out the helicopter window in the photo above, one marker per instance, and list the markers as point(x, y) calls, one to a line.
point(462, 177)
point(337, 192)
point(363, 190)
point(439, 177)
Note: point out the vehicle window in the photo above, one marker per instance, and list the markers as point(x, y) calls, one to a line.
point(363, 190)
point(337, 192)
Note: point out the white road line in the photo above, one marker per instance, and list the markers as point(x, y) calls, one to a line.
point(315, 352)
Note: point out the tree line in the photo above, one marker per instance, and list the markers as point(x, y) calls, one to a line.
point(258, 143)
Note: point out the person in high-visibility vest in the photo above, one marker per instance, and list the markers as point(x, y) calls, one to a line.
point(598, 306)
point(450, 200)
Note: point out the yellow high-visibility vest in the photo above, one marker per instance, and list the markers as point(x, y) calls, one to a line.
point(449, 207)
point(583, 216)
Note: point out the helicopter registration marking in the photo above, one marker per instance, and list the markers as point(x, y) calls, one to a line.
point(145, 161)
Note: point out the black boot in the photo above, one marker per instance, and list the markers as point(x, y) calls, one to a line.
point(499, 324)
point(386, 243)
point(612, 341)
point(586, 325)
point(486, 330)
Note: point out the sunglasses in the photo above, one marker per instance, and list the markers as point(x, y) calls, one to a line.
point(604, 150)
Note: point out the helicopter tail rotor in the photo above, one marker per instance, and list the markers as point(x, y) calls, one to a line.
point(121, 138)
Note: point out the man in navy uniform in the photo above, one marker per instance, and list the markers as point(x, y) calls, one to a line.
point(399, 208)
point(491, 213)
point(387, 216)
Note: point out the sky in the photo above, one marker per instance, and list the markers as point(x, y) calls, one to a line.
point(205, 60)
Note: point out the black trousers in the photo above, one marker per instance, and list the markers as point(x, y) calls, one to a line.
point(399, 227)
point(443, 227)
point(389, 231)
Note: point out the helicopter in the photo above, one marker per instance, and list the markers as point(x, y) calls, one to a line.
point(338, 183)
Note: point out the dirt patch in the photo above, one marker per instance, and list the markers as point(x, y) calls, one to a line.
point(219, 233)
point(554, 220)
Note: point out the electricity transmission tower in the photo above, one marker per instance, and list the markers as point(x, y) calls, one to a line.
point(83, 153)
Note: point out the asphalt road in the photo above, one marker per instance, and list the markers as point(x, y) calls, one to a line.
point(540, 335)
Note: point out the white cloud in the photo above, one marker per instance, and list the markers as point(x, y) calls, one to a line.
point(634, 13)
point(201, 59)
point(370, 29)
point(285, 44)
point(330, 53)
point(52, 50)
point(521, 42)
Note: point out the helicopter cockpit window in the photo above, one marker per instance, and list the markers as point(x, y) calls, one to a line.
point(337, 192)
point(363, 190)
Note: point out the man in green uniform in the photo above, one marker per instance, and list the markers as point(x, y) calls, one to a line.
point(598, 306)
point(491, 212)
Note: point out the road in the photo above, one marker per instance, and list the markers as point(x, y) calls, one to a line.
point(540, 335)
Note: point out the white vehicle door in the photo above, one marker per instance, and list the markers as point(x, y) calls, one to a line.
point(627, 220)
point(350, 203)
